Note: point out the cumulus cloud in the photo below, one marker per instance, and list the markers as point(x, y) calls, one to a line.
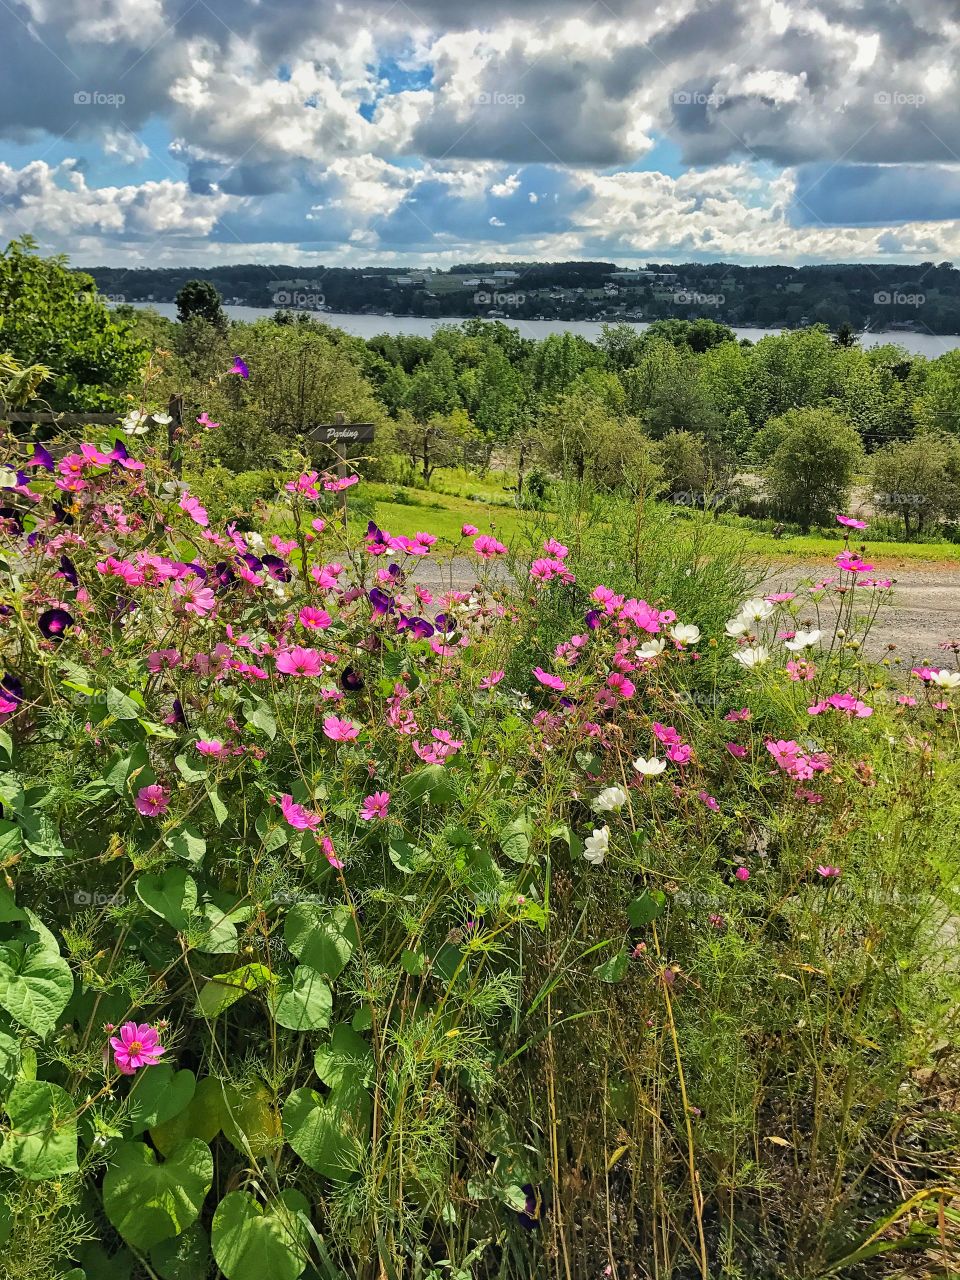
point(794, 129)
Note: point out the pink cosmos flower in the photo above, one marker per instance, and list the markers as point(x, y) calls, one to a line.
point(555, 548)
point(340, 730)
point(299, 818)
point(487, 547)
point(299, 662)
point(194, 509)
point(551, 681)
point(801, 670)
point(341, 483)
point(135, 1047)
point(621, 685)
point(195, 598)
point(326, 844)
point(828, 872)
point(679, 753)
point(468, 531)
point(375, 806)
point(211, 747)
point(850, 523)
point(736, 750)
point(492, 679)
point(305, 484)
point(851, 563)
point(710, 801)
point(743, 714)
point(742, 874)
point(314, 619)
point(152, 801)
point(163, 660)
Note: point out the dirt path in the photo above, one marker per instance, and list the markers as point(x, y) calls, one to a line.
point(923, 613)
point(924, 610)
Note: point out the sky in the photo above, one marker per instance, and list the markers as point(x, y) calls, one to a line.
point(429, 132)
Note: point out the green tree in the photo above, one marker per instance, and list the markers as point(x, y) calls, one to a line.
point(201, 298)
point(918, 480)
point(581, 439)
point(54, 317)
point(811, 456)
point(439, 442)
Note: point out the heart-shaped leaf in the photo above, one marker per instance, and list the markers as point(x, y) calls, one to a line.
point(225, 989)
point(328, 1138)
point(35, 986)
point(307, 1004)
point(171, 894)
point(42, 1142)
point(323, 939)
point(646, 908)
point(158, 1094)
point(200, 1118)
point(250, 1120)
point(148, 1202)
point(252, 1241)
point(347, 1058)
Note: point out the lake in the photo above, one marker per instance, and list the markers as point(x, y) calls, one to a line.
point(930, 345)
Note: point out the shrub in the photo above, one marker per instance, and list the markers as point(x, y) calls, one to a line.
point(341, 932)
point(811, 458)
point(918, 480)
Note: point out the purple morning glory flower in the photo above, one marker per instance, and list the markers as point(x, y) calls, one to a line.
point(11, 687)
point(67, 571)
point(40, 458)
point(240, 368)
point(382, 603)
point(53, 623)
point(351, 681)
point(224, 575)
point(420, 627)
point(119, 452)
point(177, 715)
point(198, 569)
point(592, 619)
point(277, 568)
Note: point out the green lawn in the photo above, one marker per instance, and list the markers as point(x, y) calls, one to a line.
point(814, 546)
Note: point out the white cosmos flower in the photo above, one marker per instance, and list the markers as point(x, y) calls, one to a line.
point(756, 610)
point(651, 649)
point(802, 640)
point(649, 768)
point(946, 679)
point(685, 633)
point(161, 419)
point(595, 846)
point(609, 799)
point(135, 423)
point(753, 656)
point(737, 627)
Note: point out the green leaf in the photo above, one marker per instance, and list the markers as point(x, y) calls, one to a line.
point(148, 1202)
point(187, 843)
point(306, 1005)
point(120, 706)
point(261, 716)
point(413, 962)
point(217, 805)
point(183, 1257)
point(347, 1058)
point(42, 1142)
point(406, 858)
point(118, 771)
point(252, 1241)
point(11, 841)
point(7, 743)
point(225, 989)
point(323, 939)
point(220, 935)
point(273, 835)
point(8, 908)
point(9, 1060)
point(202, 1118)
point(646, 908)
point(515, 837)
point(170, 894)
point(433, 784)
point(614, 969)
point(159, 1093)
point(251, 1121)
point(187, 771)
point(34, 987)
point(326, 1137)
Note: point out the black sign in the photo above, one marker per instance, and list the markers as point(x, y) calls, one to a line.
point(347, 433)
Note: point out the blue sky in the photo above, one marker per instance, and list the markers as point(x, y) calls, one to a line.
point(167, 131)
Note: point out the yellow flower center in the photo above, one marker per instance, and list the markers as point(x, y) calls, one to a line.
point(134, 1046)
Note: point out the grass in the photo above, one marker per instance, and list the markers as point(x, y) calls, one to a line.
point(443, 513)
